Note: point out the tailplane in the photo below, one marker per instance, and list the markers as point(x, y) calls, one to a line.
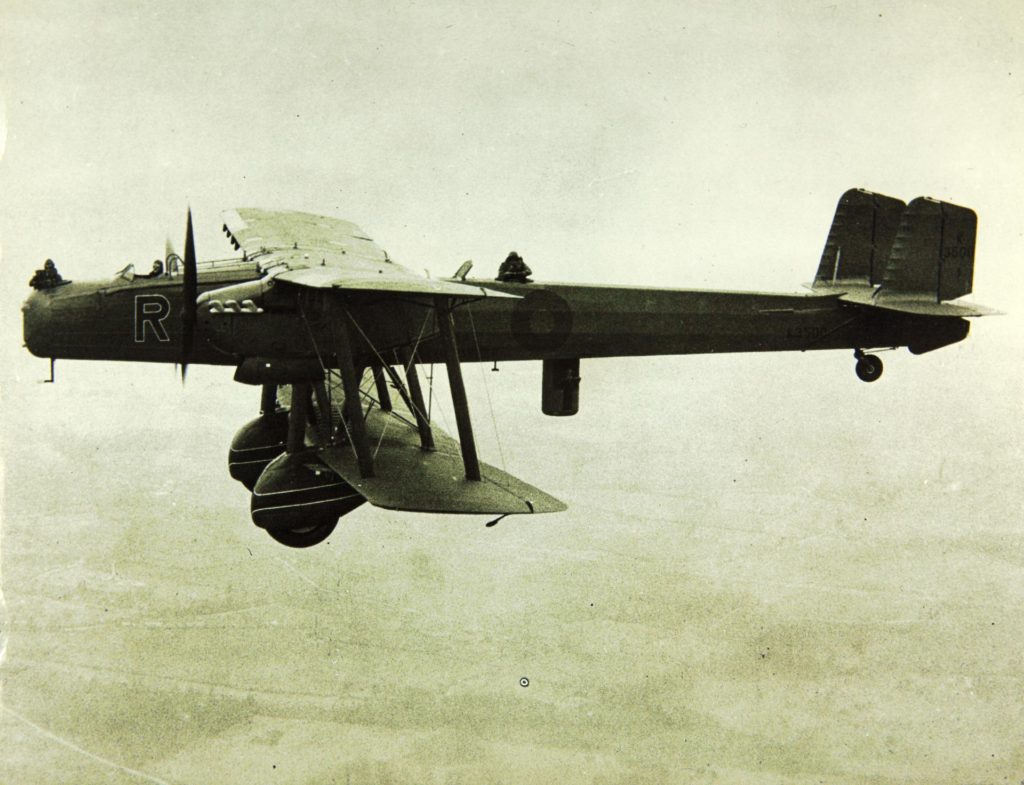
point(911, 258)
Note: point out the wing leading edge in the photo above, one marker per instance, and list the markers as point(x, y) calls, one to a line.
point(388, 278)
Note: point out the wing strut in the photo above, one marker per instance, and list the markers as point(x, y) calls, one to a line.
point(268, 399)
point(419, 406)
point(297, 418)
point(323, 403)
point(446, 327)
point(353, 399)
point(383, 396)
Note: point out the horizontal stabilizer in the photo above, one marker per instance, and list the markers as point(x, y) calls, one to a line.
point(924, 308)
point(914, 304)
point(406, 477)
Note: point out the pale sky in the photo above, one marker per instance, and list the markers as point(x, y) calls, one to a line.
point(697, 144)
point(653, 143)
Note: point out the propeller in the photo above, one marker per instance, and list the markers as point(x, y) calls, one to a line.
point(189, 293)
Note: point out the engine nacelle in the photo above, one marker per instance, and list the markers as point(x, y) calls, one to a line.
point(266, 370)
point(255, 445)
point(560, 387)
point(297, 493)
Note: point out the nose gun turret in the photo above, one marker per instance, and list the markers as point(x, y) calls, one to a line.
point(47, 277)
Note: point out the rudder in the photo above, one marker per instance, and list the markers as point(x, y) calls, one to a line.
point(860, 239)
point(933, 253)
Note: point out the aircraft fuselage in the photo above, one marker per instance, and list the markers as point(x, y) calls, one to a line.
point(141, 320)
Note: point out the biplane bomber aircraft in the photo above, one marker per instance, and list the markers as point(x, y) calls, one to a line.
point(334, 332)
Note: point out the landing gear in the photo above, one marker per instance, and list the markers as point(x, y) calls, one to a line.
point(868, 367)
point(304, 537)
point(298, 500)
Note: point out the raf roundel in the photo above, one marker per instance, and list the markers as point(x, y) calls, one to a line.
point(541, 321)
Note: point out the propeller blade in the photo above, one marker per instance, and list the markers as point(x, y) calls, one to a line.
point(190, 291)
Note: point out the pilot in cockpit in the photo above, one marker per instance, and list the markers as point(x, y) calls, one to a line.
point(156, 272)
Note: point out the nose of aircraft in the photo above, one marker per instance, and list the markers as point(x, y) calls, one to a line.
point(36, 324)
point(56, 321)
point(120, 319)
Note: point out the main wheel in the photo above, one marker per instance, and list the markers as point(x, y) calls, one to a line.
point(304, 537)
point(868, 368)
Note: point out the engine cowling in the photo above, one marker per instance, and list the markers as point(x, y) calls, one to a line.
point(255, 445)
point(298, 499)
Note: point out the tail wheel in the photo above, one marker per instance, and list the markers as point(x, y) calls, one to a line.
point(868, 368)
point(304, 537)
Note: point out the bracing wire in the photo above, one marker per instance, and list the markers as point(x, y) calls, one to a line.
point(312, 338)
point(487, 387)
point(442, 411)
point(430, 390)
point(415, 346)
point(385, 363)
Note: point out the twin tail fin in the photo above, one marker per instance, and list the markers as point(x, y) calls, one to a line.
point(912, 258)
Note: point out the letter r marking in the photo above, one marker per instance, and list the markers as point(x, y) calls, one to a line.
point(150, 312)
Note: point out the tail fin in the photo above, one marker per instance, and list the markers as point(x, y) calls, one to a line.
point(933, 254)
point(909, 258)
point(859, 241)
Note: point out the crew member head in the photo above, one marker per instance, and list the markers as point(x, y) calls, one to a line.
point(514, 269)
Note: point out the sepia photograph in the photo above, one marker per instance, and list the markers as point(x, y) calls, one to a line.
point(511, 393)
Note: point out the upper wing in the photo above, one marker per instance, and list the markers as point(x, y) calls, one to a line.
point(255, 230)
point(329, 253)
